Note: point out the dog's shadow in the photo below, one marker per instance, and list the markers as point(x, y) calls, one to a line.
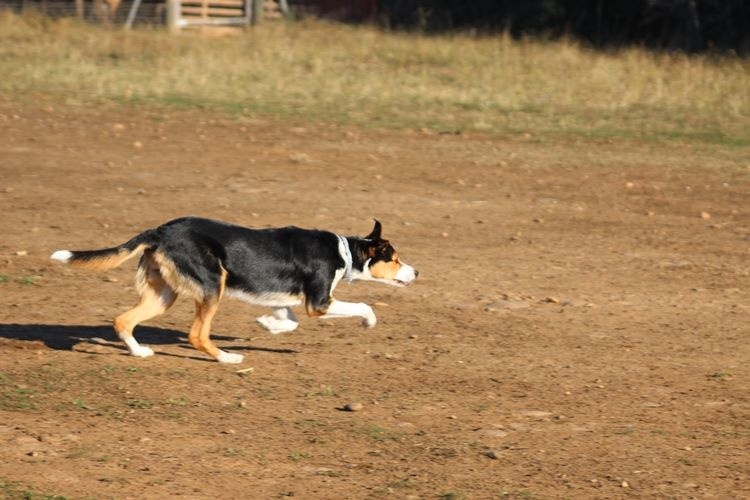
point(66, 337)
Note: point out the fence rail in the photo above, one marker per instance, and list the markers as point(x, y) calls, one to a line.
point(176, 14)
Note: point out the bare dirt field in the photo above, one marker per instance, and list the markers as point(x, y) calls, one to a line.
point(579, 328)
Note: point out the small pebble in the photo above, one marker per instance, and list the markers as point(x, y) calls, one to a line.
point(353, 407)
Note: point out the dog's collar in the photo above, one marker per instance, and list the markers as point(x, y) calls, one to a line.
point(347, 258)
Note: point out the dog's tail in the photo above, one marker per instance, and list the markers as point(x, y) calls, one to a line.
point(107, 258)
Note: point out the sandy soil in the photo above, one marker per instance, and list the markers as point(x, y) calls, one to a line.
point(579, 328)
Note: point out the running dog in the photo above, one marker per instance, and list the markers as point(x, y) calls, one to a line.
point(204, 259)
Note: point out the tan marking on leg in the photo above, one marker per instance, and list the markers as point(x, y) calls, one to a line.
point(314, 312)
point(181, 284)
point(156, 297)
point(205, 310)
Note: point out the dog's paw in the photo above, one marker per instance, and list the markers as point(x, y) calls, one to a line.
point(275, 325)
point(229, 357)
point(266, 321)
point(283, 326)
point(142, 351)
point(369, 320)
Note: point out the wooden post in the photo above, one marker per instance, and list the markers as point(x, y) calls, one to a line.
point(257, 11)
point(79, 9)
point(173, 16)
point(131, 15)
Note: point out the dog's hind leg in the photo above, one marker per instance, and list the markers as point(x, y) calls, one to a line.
point(156, 298)
point(280, 321)
point(200, 332)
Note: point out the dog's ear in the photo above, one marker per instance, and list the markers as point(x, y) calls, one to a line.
point(375, 234)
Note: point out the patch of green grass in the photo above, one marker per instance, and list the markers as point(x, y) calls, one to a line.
point(402, 484)
point(326, 391)
point(180, 401)
point(4, 278)
point(330, 473)
point(519, 494)
point(16, 491)
point(17, 399)
point(82, 405)
point(27, 280)
point(297, 456)
point(720, 375)
point(452, 495)
point(98, 411)
point(80, 452)
point(382, 434)
point(140, 404)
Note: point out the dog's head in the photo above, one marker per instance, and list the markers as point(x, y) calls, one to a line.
point(377, 260)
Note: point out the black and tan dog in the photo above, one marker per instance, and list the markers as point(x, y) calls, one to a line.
point(204, 260)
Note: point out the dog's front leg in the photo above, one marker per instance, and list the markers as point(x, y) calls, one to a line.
point(339, 309)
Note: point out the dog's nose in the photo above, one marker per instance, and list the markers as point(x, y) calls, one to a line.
point(416, 274)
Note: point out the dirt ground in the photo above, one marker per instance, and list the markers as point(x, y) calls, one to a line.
point(579, 328)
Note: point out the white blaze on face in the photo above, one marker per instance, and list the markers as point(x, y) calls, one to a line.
point(406, 274)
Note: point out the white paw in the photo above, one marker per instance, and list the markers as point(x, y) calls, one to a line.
point(369, 320)
point(283, 326)
point(229, 357)
point(266, 321)
point(142, 351)
point(275, 325)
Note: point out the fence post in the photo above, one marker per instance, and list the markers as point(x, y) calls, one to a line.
point(173, 16)
point(257, 11)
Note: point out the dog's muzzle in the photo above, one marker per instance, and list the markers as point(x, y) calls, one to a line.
point(406, 274)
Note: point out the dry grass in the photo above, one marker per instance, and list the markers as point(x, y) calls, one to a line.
point(328, 72)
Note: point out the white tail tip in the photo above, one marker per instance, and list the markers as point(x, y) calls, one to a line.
point(61, 255)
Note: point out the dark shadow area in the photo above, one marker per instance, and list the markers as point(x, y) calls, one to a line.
point(691, 26)
point(683, 25)
point(65, 337)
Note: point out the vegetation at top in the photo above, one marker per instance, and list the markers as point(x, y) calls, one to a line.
point(319, 71)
